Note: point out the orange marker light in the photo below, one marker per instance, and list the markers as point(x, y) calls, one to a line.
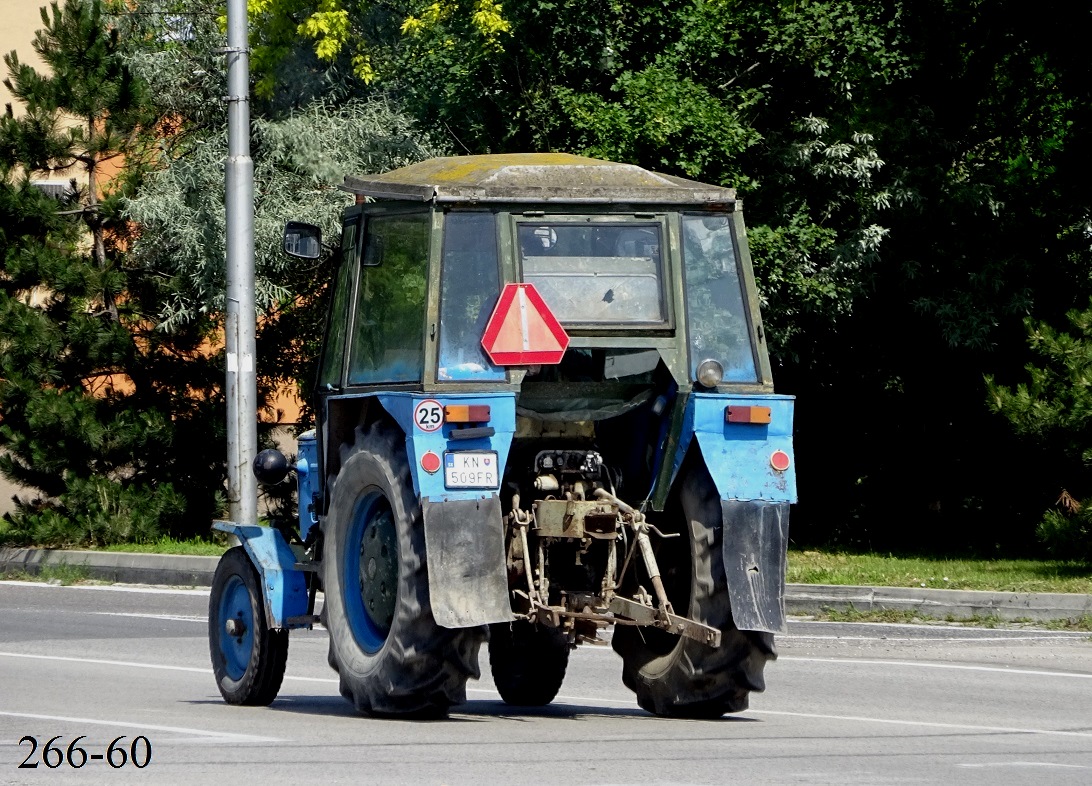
point(734, 414)
point(466, 413)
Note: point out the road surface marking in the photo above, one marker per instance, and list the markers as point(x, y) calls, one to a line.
point(954, 666)
point(570, 699)
point(149, 590)
point(1027, 764)
point(927, 724)
point(205, 735)
point(854, 718)
point(202, 618)
point(972, 639)
point(153, 666)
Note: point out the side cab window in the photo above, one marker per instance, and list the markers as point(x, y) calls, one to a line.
point(470, 277)
point(388, 333)
point(333, 350)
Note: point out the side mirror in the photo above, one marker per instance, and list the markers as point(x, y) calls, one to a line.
point(270, 467)
point(303, 241)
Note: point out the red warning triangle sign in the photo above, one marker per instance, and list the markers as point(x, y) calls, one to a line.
point(523, 331)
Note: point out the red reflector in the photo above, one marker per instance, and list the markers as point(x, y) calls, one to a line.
point(734, 414)
point(522, 330)
point(466, 413)
point(779, 460)
point(430, 462)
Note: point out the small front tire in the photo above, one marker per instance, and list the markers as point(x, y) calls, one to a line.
point(248, 659)
point(528, 662)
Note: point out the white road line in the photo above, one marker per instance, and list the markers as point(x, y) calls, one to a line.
point(1026, 764)
point(153, 666)
point(205, 735)
point(202, 618)
point(99, 662)
point(571, 699)
point(927, 724)
point(851, 718)
point(138, 588)
point(954, 666)
point(856, 661)
point(930, 639)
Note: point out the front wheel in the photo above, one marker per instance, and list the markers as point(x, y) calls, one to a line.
point(391, 656)
point(248, 659)
point(528, 662)
point(681, 677)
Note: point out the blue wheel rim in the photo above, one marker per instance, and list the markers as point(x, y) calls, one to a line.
point(235, 604)
point(369, 588)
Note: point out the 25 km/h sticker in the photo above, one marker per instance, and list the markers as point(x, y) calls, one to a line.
point(428, 415)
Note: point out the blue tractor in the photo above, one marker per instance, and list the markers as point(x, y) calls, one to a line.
point(545, 418)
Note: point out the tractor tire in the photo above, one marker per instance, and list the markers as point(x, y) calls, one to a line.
point(675, 676)
point(390, 655)
point(528, 662)
point(248, 660)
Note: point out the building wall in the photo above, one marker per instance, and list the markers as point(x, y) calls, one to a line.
point(19, 21)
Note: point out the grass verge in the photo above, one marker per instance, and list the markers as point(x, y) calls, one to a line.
point(877, 570)
point(907, 616)
point(196, 547)
point(50, 574)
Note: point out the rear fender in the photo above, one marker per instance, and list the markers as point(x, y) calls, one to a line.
point(284, 586)
point(464, 530)
point(755, 497)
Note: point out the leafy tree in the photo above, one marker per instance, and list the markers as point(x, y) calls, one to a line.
point(108, 417)
point(298, 162)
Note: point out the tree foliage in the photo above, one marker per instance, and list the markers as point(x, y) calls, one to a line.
point(107, 417)
point(1052, 410)
point(913, 174)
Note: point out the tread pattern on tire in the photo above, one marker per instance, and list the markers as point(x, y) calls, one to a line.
point(421, 669)
point(261, 681)
point(528, 662)
point(694, 680)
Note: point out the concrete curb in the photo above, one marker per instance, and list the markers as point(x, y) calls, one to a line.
point(1039, 606)
point(116, 566)
point(126, 568)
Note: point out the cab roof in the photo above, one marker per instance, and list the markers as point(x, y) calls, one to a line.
point(535, 177)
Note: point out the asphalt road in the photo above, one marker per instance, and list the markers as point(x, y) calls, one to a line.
point(844, 704)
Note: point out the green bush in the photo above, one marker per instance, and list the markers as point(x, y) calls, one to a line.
point(96, 511)
point(1068, 533)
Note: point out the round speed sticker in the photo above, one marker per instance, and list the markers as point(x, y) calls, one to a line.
point(428, 415)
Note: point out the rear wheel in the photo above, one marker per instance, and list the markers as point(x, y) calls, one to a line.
point(248, 658)
point(676, 676)
point(527, 661)
point(391, 656)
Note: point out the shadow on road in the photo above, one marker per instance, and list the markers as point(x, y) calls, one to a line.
point(473, 711)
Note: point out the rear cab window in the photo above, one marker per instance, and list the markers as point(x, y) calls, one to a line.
point(596, 272)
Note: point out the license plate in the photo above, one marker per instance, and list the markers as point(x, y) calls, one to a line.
point(471, 469)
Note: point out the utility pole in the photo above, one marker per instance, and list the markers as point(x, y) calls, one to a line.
point(241, 381)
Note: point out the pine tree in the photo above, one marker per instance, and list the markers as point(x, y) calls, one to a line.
point(108, 417)
point(1053, 412)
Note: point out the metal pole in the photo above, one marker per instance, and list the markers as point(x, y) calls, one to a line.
point(241, 384)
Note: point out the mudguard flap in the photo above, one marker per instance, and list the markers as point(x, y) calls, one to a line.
point(467, 578)
point(756, 535)
point(284, 587)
